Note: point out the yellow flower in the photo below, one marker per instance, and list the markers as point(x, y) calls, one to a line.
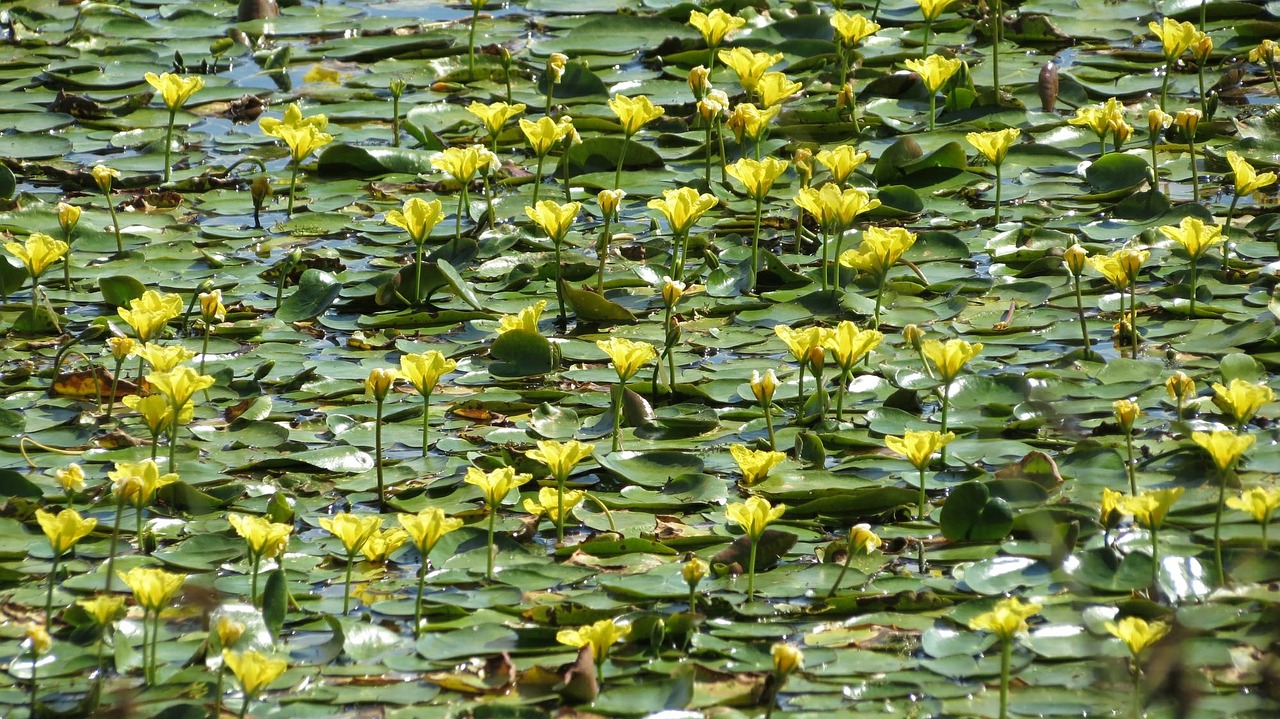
point(1007, 620)
point(65, 528)
point(879, 251)
point(951, 357)
point(774, 88)
point(549, 500)
point(496, 485)
point(694, 571)
point(1093, 117)
point(553, 218)
point(152, 588)
point(149, 313)
point(1176, 37)
point(849, 344)
point(1180, 386)
point(803, 341)
point(38, 639)
point(319, 73)
point(1202, 47)
point(1121, 267)
point(266, 539)
point(1223, 447)
point(1151, 507)
point(494, 116)
point(427, 527)
point(714, 104)
point(525, 319)
point(853, 28)
point(754, 464)
point(763, 386)
point(919, 446)
point(863, 539)
point(699, 81)
point(292, 118)
point(931, 9)
point(750, 122)
point(137, 482)
point(1126, 412)
point(786, 659)
point(228, 631)
point(841, 161)
point(749, 66)
point(1112, 506)
point(104, 175)
point(211, 308)
point(156, 411)
point(1247, 179)
point(634, 112)
point(1265, 53)
point(382, 544)
point(68, 217)
point(715, 25)
point(163, 358)
point(37, 252)
point(180, 384)
point(351, 529)
point(1194, 235)
point(1258, 503)
point(555, 65)
point(379, 382)
point(599, 636)
point(255, 671)
point(994, 145)
point(934, 71)
point(1136, 633)
point(1241, 400)
point(757, 176)
point(417, 218)
point(560, 457)
point(70, 478)
point(835, 209)
point(1157, 121)
point(103, 609)
point(914, 337)
point(754, 515)
point(175, 89)
point(672, 291)
point(425, 370)
point(627, 356)
point(683, 207)
point(609, 201)
point(462, 163)
point(1075, 258)
point(544, 134)
point(1188, 120)
point(302, 140)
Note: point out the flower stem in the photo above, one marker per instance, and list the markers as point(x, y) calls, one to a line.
point(1217, 529)
point(377, 452)
point(471, 43)
point(115, 538)
point(768, 423)
point(560, 509)
point(48, 601)
point(564, 317)
point(1226, 229)
point(426, 408)
point(997, 26)
point(622, 156)
point(168, 145)
point(537, 179)
point(417, 604)
point(1195, 175)
point(293, 188)
point(616, 396)
point(928, 27)
point(1006, 655)
point(488, 572)
point(999, 187)
point(933, 109)
point(1164, 87)
point(924, 498)
point(1194, 270)
point(1133, 310)
point(253, 581)
point(755, 243)
point(346, 587)
point(751, 570)
point(1128, 465)
point(115, 221)
point(602, 252)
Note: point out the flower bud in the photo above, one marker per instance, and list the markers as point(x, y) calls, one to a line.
point(68, 216)
point(862, 538)
point(1121, 131)
point(914, 336)
point(803, 162)
point(229, 631)
point(70, 478)
point(816, 357)
point(610, 200)
point(699, 81)
point(1075, 257)
point(379, 382)
point(211, 308)
point(1180, 386)
point(763, 386)
point(259, 190)
point(38, 639)
point(786, 659)
point(1126, 412)
point(693, 571)
point(672, 290)
point(397, 88)
point(846, 97)
point(1157, 121)
point(1188, 120)
point(555, 66)
point(121, 347)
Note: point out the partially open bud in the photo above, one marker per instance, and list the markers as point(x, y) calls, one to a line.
point(1180, 386)
point(1121, 131)
point(764, 385)
point(1188, 120)
point(1126, 412)
point(379, 382)
point(786, 659)
point(693, 572)
point(1075, 257)
point(397, 88)
point(68, 216)
point(699, 81)
point(672, 291)
point(846, 97)
point(121, 347)
point(211, 308)
point(609, 201)
point(259, 190)
point(862, 538)
point(816, 357)
point(555, 66)
point(803, 162)
point(914, 336)
point(229, 631)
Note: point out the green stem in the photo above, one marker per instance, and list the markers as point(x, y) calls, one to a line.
point(946, 407)
point(115, 221)
point(417, 274)
point(35, 663)
point(928, 27)
point(844, 383)
point(488, 572)
point(602, 251)
point(1006, 655)
point(924, 498)
point(1164, 86)
point(568, 190)
point(1136, 672)
point(1155, 557)
point(755, 243)
point(560, 509)
point(933, 109)
point(537, 180)
point(998, 31)
point(115, 539)
point(616, 397)
point(377, 452)
point(844, 568)
point(1204, 99)
point(168, 145)
point(751, 570)
point(417, 604)
point(1133, 311)
point(395, 121)
point(471, 43)
point(1195, 175)
point(707, 155)
point(346, 587)
point(1226, 229)
point(999, 187)
point(1084, 330)
point(457, 218)
point(66, 264)
point(253, 581)
point(1275, 84)
point(768, 424)
point(822, 262)
point(724, 177)
point(1194, 270)
point(217, 688)
point(293, 188)
point(138, 528)
point(1217, 529)
point(564, 317)
point(875, 315)
point(622, 156)
point(244, 707)
point(800, 393)
point(1155, 172)
point(426, 409)
point(48, 601)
